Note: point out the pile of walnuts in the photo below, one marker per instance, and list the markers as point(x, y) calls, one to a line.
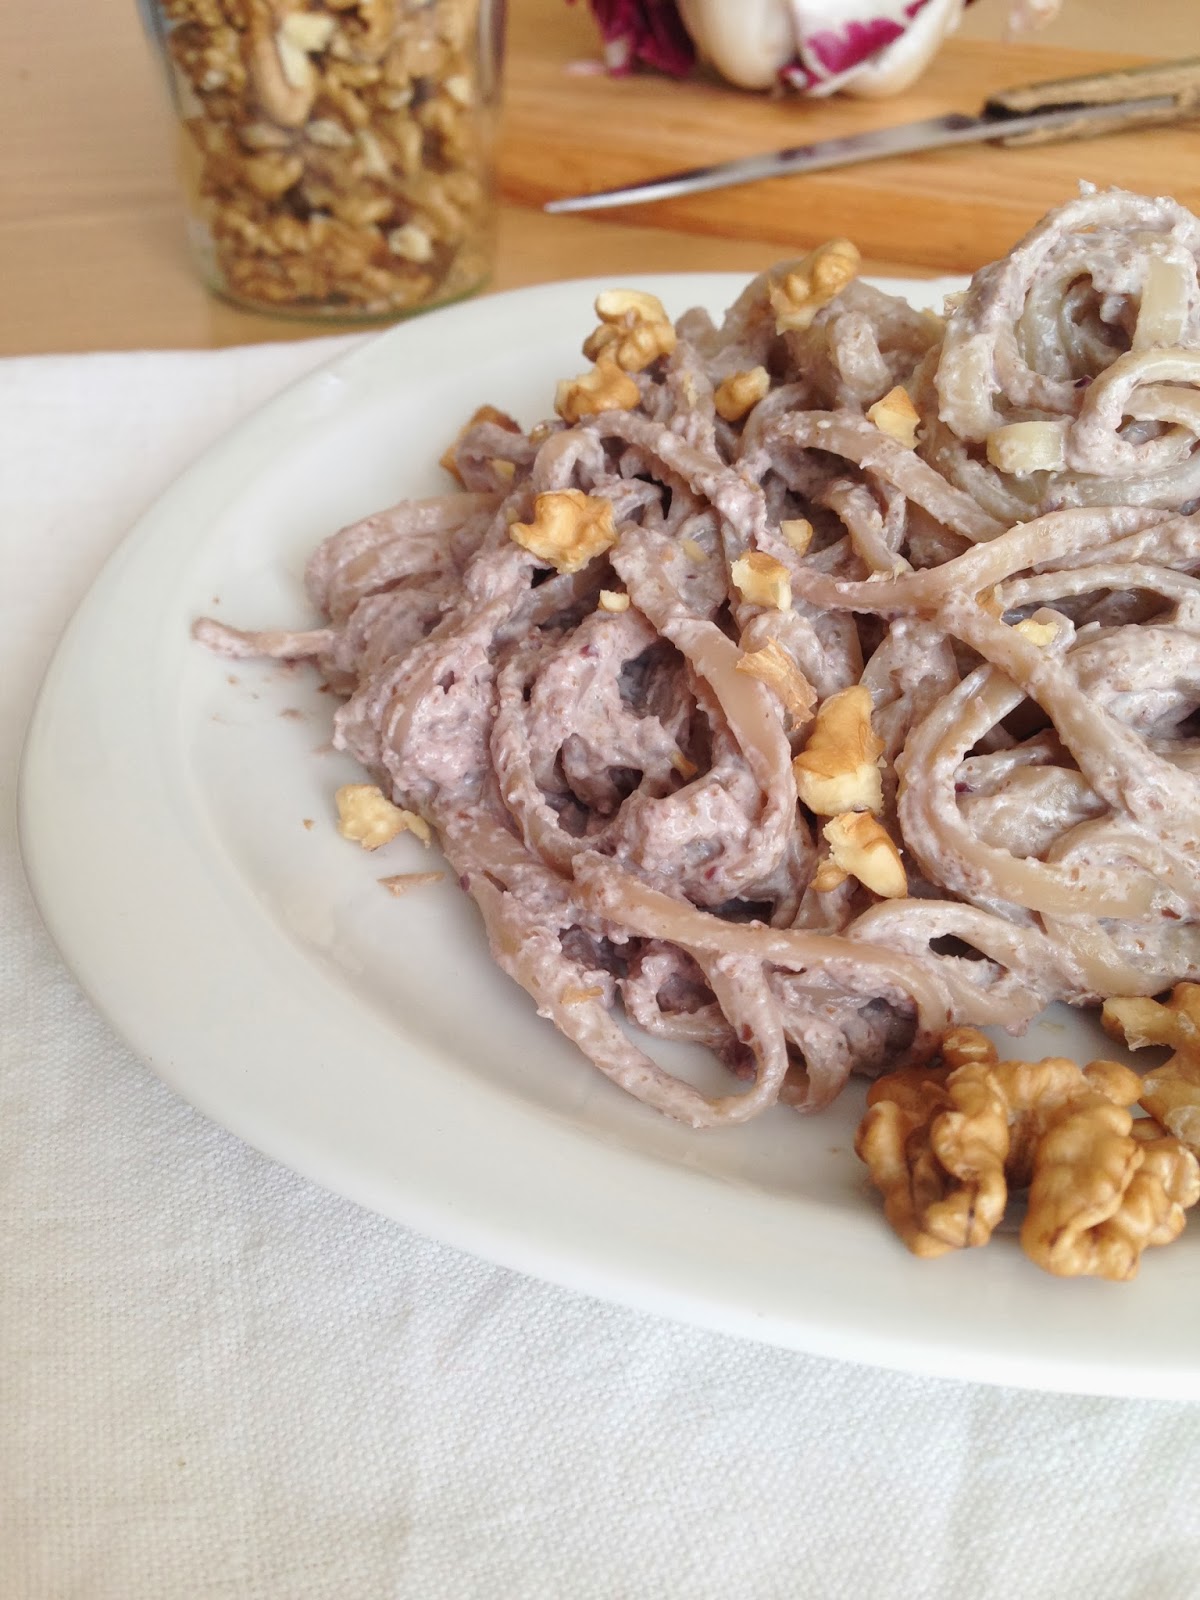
point(947, 1143)
point(337, 150)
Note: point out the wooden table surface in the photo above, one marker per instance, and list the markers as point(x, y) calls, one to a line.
point(91, 226)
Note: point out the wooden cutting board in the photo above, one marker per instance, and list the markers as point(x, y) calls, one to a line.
point(566, 131)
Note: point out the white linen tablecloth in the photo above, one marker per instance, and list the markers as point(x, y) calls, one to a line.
point(218, 1380)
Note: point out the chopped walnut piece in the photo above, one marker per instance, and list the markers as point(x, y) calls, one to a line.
point(369, 818)
point(634, 330)
point(862, 847)
point(283, 77)
point(272, 172)
point(417, 825)
point(265, 136)
point(449, 458)
point(828, 876)
point(896, 416)
point(613, 600)
point(1170, 1093)
point(401, 882)
point(1024, 447)
point(1038, 633)
point(738, 394)
point(575, 995)
point(838, 769)
point(307, 31)
point(820, 277)
point(604, 388)
point(685, 768)
point(568, 530)
point(798, 532)
point(773, 666)
point(411, 243)
point(325, 131)
point(762, 580)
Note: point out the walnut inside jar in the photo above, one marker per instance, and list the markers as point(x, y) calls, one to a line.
point(338, 152)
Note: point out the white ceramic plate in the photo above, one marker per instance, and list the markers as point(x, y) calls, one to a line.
point(369, 1042)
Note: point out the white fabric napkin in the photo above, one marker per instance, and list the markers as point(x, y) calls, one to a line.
point(218, 1380)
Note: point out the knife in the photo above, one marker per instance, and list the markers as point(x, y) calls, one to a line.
point(1037, 113)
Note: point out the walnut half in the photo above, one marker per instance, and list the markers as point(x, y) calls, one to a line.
point(634, 330)
point(1099, 1196)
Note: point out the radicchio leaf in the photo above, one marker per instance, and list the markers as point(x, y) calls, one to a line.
point(647, 31)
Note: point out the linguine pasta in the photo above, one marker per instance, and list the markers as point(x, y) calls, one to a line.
point(604, 745)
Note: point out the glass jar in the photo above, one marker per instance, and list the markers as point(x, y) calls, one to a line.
point(337, 154)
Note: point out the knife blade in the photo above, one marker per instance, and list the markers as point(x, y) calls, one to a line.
point(1065, 109)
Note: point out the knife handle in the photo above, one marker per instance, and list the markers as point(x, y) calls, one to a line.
point(1178, 81)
